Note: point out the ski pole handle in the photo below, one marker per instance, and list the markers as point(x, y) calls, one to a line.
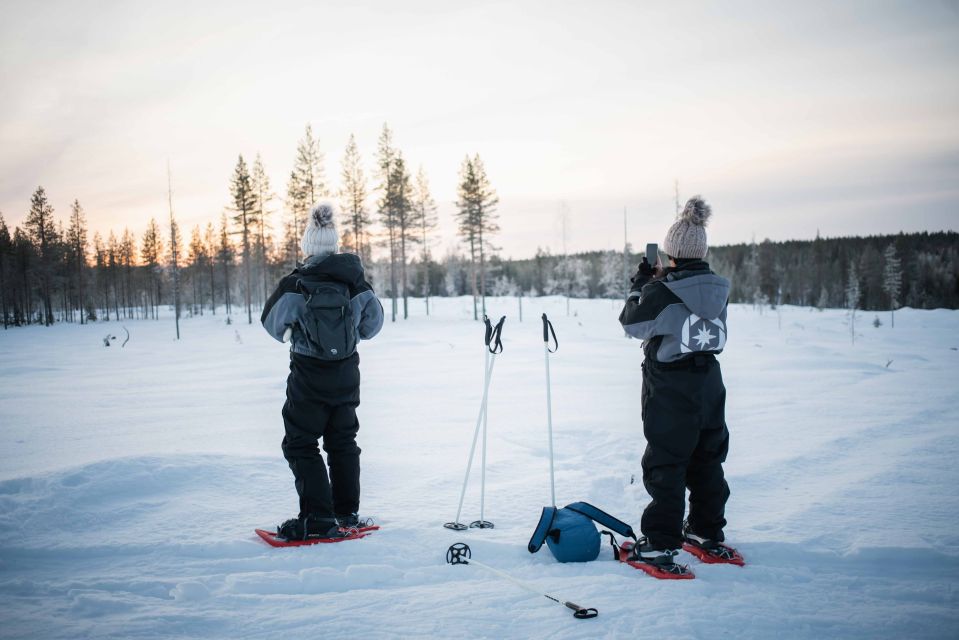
point(547, 330)
point(495, 336)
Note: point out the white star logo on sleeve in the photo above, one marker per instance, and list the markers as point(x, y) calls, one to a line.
point(704, 337)
point(702, 334)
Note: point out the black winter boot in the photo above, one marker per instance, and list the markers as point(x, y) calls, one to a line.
point(309, 526)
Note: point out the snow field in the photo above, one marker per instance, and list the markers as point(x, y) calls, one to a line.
point(131, 480)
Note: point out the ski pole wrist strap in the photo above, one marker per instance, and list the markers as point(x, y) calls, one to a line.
point(494, 335)
point(547, 331)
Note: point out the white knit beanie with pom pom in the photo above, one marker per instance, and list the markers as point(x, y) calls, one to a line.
point(687, 237)
point(320, 237)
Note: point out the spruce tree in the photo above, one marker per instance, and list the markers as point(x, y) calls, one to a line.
point(353, 195)
point(297, 208)
point(127, 265)
point(424, 208)
point(39, 224)
point(405, 227)
point(892, 280)
point(151, 251)
point(212, 250)
point(264, 195)
point(77, 240)
point(386, 156)
point(477, 221)
point(244, 203)
point(225, 254)
point(853, 293)
point(197, 266)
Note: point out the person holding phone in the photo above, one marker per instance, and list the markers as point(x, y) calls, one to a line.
point(679, 311)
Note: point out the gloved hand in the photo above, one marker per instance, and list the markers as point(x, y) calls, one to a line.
point(643, 275)
point(645, 269)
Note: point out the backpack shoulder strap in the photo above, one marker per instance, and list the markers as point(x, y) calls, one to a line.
point(601, 517)
point(542, 529)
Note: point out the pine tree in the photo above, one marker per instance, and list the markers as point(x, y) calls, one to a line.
point(353, 197)
point(127, 263)
point(297, 207)
point(892, 280)
point(308, 169)
point(212, 251)
point(113, 267)
point(197, 266)
point(244, 202)
point(405, 228)
point(476, 217)
point(151, 251)
point(77, 239)
point(39, 224)
point(100, 269)
point(424, 208)
point(386, 155)
point(225, 253)
point(853, 294)
point(264, 195)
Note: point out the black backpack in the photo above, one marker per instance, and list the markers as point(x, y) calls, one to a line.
point(328, 321)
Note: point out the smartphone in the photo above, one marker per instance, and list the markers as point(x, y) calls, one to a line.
point(652, 253)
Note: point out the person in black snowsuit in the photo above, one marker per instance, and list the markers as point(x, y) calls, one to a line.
point(680, 314)
point(322, 394)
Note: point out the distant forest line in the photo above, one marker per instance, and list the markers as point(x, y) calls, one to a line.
point(803, 272)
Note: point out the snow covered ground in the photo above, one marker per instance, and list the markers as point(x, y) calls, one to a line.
point(131, 481)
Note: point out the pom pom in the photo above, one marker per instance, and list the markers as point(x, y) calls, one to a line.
point(322, 215)
point(696, 211)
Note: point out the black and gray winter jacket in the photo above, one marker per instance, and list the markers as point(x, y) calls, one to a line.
point(679, 315)
point(287, 306)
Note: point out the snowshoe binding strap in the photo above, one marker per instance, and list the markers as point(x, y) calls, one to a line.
point(613, 544)
point(494, 335)
point(543, 529)
point(547, 331)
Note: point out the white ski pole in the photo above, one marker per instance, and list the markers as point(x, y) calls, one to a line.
point(492, 334)
point(547, 330)
point(456, 524)
point(460, 553)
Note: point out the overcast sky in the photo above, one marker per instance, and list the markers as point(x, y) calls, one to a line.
point(841, 117)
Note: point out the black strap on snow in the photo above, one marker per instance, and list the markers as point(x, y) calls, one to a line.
point(547, 330)
point(602, 518)
point(542, 529)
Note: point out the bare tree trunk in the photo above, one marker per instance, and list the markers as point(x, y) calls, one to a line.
point(403, 271)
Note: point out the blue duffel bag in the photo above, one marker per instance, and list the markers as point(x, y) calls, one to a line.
point(570, 533)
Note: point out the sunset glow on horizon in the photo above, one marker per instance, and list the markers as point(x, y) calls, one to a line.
point(841, 119)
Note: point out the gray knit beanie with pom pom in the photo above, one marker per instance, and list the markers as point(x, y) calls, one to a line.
point(687, 237)
point(320, 237)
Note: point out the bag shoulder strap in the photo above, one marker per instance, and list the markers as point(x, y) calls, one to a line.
point(542, 529)
point(601, 517)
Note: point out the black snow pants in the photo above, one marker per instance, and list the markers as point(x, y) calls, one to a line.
point(683, 408)
point(321, 401)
